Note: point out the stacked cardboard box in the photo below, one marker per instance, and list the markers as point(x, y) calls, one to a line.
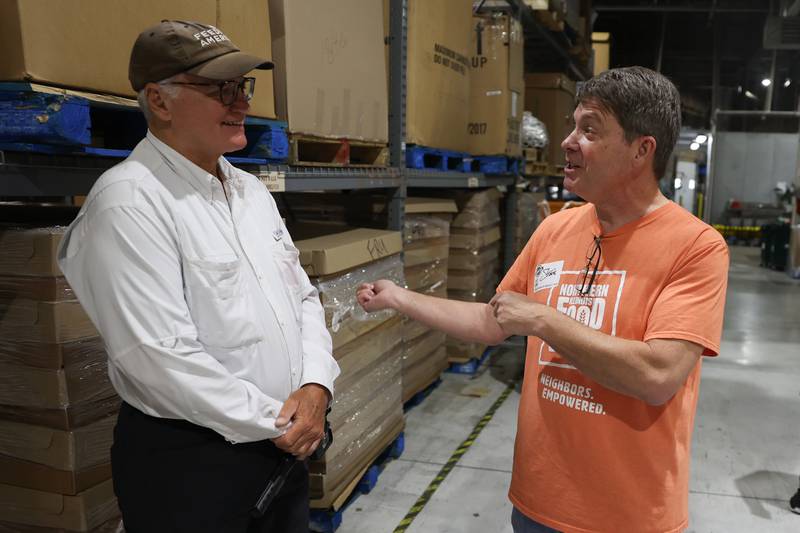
point(438, 73)
point(551, 98)
point(474, 263)
point(497, 86)
point(427, 240)
point(367, 412)
point(57, 406)
point(48, 42)
point(329, 69)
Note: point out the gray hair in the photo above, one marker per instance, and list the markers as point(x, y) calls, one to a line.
point(170, 90)
point(644, 102)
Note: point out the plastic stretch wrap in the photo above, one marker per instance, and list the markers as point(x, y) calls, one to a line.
point(356, 434)
point(63, 450)
point(112, 526)
point(30, 320)
point(345, 319)
point(26, 386)
point(418, 227)
point(463, 259)
point(44, 289)
point(533, 131)
point(421, 374)
point(426, 275)
point(482, 295)
point(426, 251)
point(468, 280)
point(72, 416)
point(356, 357)
point(420, 347)
point(527, 218)
point(350, 400)
point(30, 251)
point(52, 355)
point(474, 239)
point(477, 209)
point(413, 329)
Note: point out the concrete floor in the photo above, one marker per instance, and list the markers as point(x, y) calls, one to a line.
point(745, 453)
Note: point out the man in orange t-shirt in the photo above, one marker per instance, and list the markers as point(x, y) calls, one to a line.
point(620, 299)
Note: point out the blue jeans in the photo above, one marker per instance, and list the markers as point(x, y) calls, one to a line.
point(523, 524)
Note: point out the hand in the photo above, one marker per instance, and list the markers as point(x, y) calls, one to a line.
point(516, 314)
point(379, 295)
point(305, 409)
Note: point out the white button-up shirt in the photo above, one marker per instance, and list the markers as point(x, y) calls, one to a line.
point(198, 293)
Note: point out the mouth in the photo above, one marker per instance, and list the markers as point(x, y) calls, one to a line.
point(571, 166)
point(231, 123)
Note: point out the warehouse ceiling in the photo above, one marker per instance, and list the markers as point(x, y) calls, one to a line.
point(679, 37)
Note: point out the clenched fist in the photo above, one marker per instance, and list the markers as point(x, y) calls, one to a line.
point(516, 314)
point(378, 295)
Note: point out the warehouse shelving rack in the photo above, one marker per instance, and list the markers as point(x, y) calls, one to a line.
point(31, 175)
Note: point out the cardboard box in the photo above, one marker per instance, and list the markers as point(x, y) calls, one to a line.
point(83, 43)
point(476, 209)
point(70, 417)
point(73, 450)
point(35, 288)
point(81, 512)
point(330, 68)
point(497, 86)
point(438, 84)
point(322, 256)
point(424, 345)
point(425, 275)
point(425, 227)
point(84, 352)
point(29, 251)
point(29, 320)
point(461, 259)
point(26, 386)
point(470, 280)
point(247, 25)
point(473, 239)
point(419, 205)
point(423, 373)
point(30, 475)
point(601, 45)
point(112, 526)
point(459, 351)
point(426, 251)
point(551, 99)
point(362, 352)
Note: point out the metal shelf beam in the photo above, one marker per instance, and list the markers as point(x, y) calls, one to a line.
point(455, 180)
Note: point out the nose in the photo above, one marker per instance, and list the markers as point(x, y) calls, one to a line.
point(570, 142)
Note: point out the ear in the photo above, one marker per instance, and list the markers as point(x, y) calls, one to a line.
point(646, 148)
point(159, 106)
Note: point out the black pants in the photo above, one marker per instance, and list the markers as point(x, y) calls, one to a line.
point(172, 476)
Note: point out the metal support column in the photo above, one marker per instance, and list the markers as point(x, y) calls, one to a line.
point(398, 40)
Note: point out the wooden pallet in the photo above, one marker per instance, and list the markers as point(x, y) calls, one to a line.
point(308, 150)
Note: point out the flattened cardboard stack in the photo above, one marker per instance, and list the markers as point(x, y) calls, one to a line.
point(426, 247)
point(474, 263)
point(57, 405)
point(367, 412)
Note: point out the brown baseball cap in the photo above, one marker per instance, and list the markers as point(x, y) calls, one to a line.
point(177, 46)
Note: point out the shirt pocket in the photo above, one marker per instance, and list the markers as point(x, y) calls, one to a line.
point(219, 304)
point(287, 262)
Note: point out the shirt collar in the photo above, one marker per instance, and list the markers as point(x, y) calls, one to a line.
point(198, 178)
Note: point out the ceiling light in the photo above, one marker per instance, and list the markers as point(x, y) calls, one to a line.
point(750, 95)
point(692, 184)
point(694, 146)
point(678, 183)
point(701, 138)
point(787, 82)
point(766, 82)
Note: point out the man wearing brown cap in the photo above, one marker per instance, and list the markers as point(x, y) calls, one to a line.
point(216, 338)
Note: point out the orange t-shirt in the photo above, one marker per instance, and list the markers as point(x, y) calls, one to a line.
point(586, 458)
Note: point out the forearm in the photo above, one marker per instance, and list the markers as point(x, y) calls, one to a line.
point(465, 320)
point(625, 366)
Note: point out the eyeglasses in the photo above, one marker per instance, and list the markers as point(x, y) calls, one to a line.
point(229, 90)
point(592, 263)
